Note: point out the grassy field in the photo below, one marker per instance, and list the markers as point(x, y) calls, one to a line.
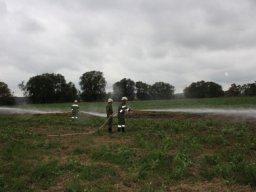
point(225, 102)
point(156, 154)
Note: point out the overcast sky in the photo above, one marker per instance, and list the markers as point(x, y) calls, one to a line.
point(174, 41)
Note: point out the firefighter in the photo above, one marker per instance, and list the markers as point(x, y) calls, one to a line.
point(122, 109)
point(75, 110)
point(109, 111)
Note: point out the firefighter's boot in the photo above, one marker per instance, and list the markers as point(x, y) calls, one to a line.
point(110, 130)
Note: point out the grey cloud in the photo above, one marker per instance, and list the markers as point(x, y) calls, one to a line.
point(3, 9)
point(32, 26)
point(173, 41)
point(211, 25)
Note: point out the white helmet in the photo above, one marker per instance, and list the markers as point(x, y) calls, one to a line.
point(124, 99)
point(110, 100)
point(75, 101)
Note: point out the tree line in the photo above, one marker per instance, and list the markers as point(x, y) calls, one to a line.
point(52, 88)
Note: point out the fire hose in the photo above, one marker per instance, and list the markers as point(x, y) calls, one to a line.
point(83, 133)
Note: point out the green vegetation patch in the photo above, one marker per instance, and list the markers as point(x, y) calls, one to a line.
point(152, 155)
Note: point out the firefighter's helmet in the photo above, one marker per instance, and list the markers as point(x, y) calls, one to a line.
point(124, 99)
point(110, 100)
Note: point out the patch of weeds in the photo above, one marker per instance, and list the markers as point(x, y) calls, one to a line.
point(137, 173)
point(147, 188)
point(2, 183)
point(176, 127)
point(78, 151)
point(7, 152)
point(143, 141)
point(74, 186)
point(215, 140)
point(207, 172)
point(150, 187)
point(14, 184)
point(19, 185)
point(97, 189)
point(116, 154)
point(142, 124)
point(225, 171)
point(207, 164)
point(46, 173)
point(239, 131)
point(157, 141)
point(155, 158)
point(166, 144)
point(212, 159)
point(91, 172)
point(23, 133)
point(252, 144)
point(17, 150)
point(73, 165)
point(157, 161)
point(19, 168)
point(166, 125)
point(236, 155)
point(180, 163)
point(190, 142)
point(246, 173)
point(48, 144)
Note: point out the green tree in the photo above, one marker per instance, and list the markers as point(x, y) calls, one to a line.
point(249, 89)
point(195, 90)
point(125, 87)
point(161, 90)
point(202, 89)
point(142, 90)
point(213, 90)
point(49, 88)
point(69, 92)
point(234, 90)
point(93, 85)
point(6, 98)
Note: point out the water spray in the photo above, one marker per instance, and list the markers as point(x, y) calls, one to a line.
point(217, 111)
point(10, 110)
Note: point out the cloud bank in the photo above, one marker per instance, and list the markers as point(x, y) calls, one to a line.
point(177, 42)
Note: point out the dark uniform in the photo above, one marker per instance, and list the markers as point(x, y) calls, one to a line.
point(122, 109)
point(109, 111)
point(75, 110)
